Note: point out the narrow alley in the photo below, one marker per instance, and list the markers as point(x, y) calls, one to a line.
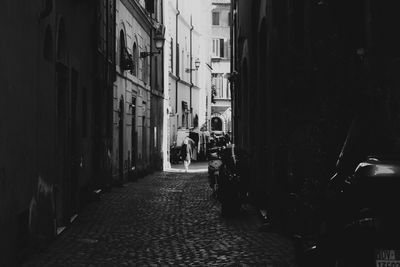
point(167, 218)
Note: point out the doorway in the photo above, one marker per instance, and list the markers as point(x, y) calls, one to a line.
point(121, 139)
point(216, 124)
point(63, 143)
point(75, 146)
point(133, 134)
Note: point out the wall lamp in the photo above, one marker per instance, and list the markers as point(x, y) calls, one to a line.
point(196, 64)
point(159, 43)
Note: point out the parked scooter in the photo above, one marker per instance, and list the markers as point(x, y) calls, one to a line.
point(214, 165)
point(362, 224)
point(232, 189)
point(175, 154)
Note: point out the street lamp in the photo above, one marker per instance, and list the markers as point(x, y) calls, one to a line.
point(196, 64)
point(159, 43)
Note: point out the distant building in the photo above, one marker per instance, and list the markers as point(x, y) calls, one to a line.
point(221, 54)
point(188, 62)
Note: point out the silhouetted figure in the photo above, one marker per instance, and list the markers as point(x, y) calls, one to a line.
point(186, 153)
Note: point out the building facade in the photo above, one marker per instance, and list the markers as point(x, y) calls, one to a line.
point(303, 70)
point(221, 53)
point(54, 141)
point(157, 80)
point(187, 35)
point(138, 90)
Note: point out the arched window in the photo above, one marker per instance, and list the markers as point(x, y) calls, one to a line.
point(61, 42)
point(48, 44)
point(125, 59)
point(122, 49)
point(135, 56)
point(146, 65)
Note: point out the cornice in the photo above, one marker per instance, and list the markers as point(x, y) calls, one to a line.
point(139, 13)
point(185, 22)
point(173, 76)
point(157, 93)
point(146, 87)
point(184, 82)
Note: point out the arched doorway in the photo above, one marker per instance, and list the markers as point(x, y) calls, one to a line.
point(48, 44)
point(216, 124)
point(133, 134)
point(263, 114)
point(196, 121)
point(243, 113)
point(121, 139)
point(64, 139)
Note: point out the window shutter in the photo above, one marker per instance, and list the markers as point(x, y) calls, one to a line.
point(221, 47)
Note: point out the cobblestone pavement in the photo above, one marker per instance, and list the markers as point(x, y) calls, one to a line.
point(160, 220)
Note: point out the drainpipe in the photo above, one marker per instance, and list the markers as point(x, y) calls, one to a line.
point(177, 63)
point(190, 70)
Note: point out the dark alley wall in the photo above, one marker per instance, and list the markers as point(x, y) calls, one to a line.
point(47, 119)
point(306, 70)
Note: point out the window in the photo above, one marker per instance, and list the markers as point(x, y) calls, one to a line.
point(125, 59)
point(221, 47)
point(217, 82)
point(48, 45)
point(140, 62)
point(121, 48)
point(215, 18)
point(218, 48)
point(135, 59)
point(61, 50)
point(228, 90)
point(227, 49)
point(215, 48)
point(149, 6)
point(145, 68)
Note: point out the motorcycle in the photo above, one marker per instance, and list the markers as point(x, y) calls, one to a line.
point(361, 226)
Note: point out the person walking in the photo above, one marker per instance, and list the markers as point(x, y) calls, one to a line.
point(186, 153)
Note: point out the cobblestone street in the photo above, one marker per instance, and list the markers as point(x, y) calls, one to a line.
point(164, 219)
